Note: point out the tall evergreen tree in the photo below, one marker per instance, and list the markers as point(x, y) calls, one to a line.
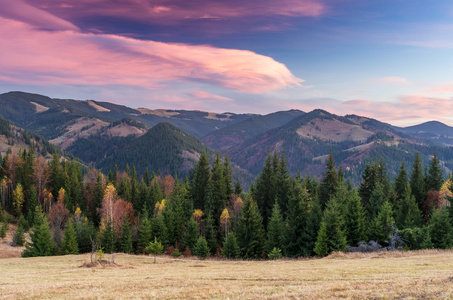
point(264, 192)
point(401, 183)
point(275, 230)
point(41, 239)
point(354, 220)
point(126, 238)
point(230, 247)
point(329, 182)
point(383, 225)
point(417, 181)
point(108, 238)
point(217, 201)
point(190, 235)
point(331, 236)
point(228, 177)
point(250, 231)
point(144, 231)
point(407, 214)
point(200, 180)
point(69, 242)
point(211, 234)
point(441, 230)
point(435, 175)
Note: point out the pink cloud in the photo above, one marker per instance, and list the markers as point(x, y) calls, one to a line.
point(390, 80)
point(442, 88)
point(208, 96)
point(70, 57)
point(177, 11)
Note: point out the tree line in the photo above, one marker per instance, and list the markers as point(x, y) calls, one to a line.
point(68, 208)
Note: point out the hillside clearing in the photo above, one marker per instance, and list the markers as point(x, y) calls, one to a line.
point(422, 274)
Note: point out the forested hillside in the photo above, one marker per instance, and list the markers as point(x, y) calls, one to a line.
point(66, 208)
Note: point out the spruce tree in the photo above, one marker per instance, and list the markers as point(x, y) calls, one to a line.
point(41, 239)
point(230, 247)
point(354, 219)
point(265, 193)
point(408, 215)
point(217, 201)
point(126, 238)
point(190, 236)
point(4, 229)
point(250, 231)
point(159, 230)
point(211, 234)
point(331, 236)
point(441, 230)
point(108, 238)
point(329, 182)
point(383, 225)
point(228, 177)
point(435, 175)
point(417, 181)
point(69, 242)
point(144, 232)
point(201, 249)
point(200, 181)
point(275, 230)
point(401, 183)
point(19, 236)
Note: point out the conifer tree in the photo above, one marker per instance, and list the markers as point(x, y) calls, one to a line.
point(408, 215)
point(313, 225)
point(126, 238)
point(383, 225)
point(144, 231)
point(275, 230)
point(41, 239)
point(354, 219)
point(228, 177)
point(201, 249)
point(108, 238)
point(158, 229)
point(217, 200)
point(250, 231)
point(98, 195)
point(18, 199)
point(441, 230)
point(264, 192)
point(200, 180)
point(435, 175)
point(230, 247)
point(329, 182)
point(296, 224)
point(190, 234)
point(69, 242)
point(417, 181)
point(3, 229)
point(331, 236)
point(373, 206)
point(401, 183)
point(237, 188)
point(19, 235)
point(211, 234)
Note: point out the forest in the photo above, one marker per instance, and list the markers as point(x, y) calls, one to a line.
point(69, 208)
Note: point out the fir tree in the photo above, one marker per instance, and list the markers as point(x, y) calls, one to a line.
point(401, 183)
point(19, 235)
point(217, 200)
point(329, 182)
point(126, 238)
point(250, 231)
point(211, 235)
point(354, 220)
point(41, 239)
point(230, 247)
point(331, 236)
point(4, 229)
point(190, 236)
point(435, 175)
point(417, 181)
point(144, 231)
point(201, 249)
point(200, 181)
point(228, 177)
point(69, 243)
point(296, 224)
point(264, 192)
point(383, 225)
point(408, 215)
point(158, 229)
point(275, 230)
point(108, 238)
point(441, 230)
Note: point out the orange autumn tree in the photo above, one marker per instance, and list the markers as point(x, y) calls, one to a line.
point(115, 210)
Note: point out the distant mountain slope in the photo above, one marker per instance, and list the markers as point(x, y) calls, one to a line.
point(307, 140)
point(51, 117)
point(433, 130)
point(236, 134)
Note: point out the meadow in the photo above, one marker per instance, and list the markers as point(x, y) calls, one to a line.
point(384, 275)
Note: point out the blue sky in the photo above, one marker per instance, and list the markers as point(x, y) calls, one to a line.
point(390, 60)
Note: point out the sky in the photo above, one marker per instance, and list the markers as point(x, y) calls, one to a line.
point(391, 60)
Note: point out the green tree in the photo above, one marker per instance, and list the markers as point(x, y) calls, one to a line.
point(69, 242)
point(210, 234)
point(19, 235)
point(200, 181)
point(250, 231)
point(417, 181)
point(275, 230)
point(435, 175)
point(354, 219)
point(296, 223)
point(264, 192)
point(155, 248)
point(329, 182)
point(401, 183)
point(383, 225)
point(408, 215)
point(230, 247)
point(441, 230)
point(331, 236)
point(41, 243)
point(201, 249)
point(144, 232)
point(126, 238)
point(4, 229)
point(18, 198)
point(190, 236)
point(108, 238)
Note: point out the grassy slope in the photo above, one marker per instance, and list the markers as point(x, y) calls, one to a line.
point(424, 275)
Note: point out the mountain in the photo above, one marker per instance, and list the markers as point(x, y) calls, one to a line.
point(433, 130)
point(52, 118)
point(308, 139)
point(236, 134)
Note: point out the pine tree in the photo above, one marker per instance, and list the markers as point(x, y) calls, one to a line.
point(296, 224)
point(200, 181)
point(211, 234)
point(383, 225)
point(375, 202)
point(408, 215)
point(275, 230)
point(190, 234)
point(19, 235)
point(329, 182)
point(435, 175)
point(265, 193)
point(217, 200)
point(441, 230)
point(98, 195)
point(158, 229)
point(417, 181)
point(313, 225)
point(144, 231)
point(108, 238)
point(126, 238)
point(69, 243)
point(250, 231)
point(401, 183)
point(354, 220)
point(230, 247)
point(228, 177)
point(4, 229)
point(201, 249)
point(41, 239)
point(331, 236)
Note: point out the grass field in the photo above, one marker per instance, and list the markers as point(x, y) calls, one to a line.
point(404, 275)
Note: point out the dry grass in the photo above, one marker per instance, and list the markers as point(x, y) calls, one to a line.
point(407, 275)
point(7, 251)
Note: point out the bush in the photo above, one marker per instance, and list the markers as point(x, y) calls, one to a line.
point(201, 249)
point(176, 253)
point(276, 253)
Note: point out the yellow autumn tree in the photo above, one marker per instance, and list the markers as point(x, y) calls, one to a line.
point(18, 198)
point(445, 192)
point(225, 221)
point(160, 207)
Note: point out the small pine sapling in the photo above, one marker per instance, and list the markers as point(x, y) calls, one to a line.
point(155, 248)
